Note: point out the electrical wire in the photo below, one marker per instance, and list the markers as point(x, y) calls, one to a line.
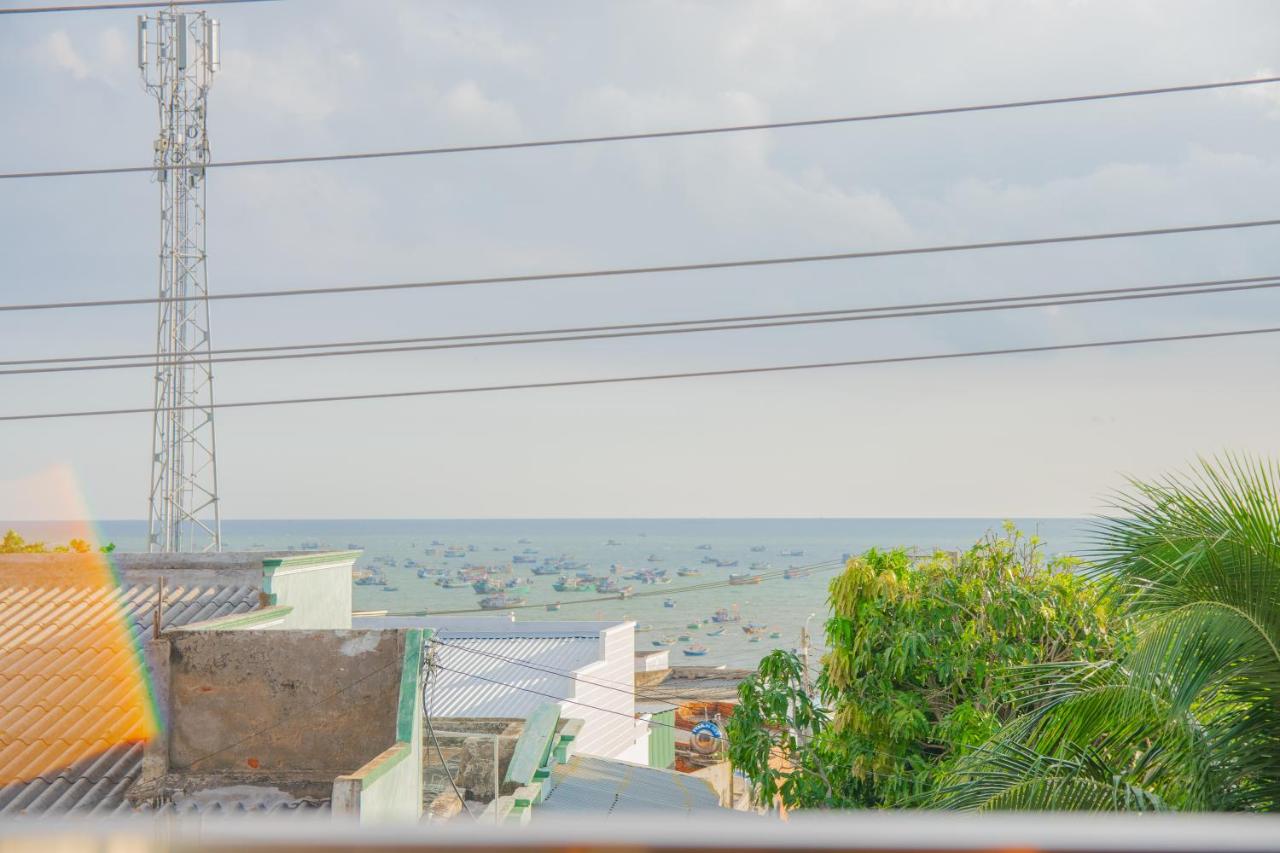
point(551, 696)
point(652, 377)
point(659, 134)
point(527, 664)
point(101, 7)
point(629, 330)
point(649, 270)
point(444, 765)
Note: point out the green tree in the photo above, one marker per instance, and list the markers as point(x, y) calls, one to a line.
point(1188, 717)
point(918, 668)
point(13, 543)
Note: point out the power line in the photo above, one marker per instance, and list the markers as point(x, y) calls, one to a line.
point(665, 268)
point(552, 696)
point(675, 327)
point(101, 7)
point(653, 377)
point(528, 664)
point(660, 134)
point(426, 716)
point(1211, 286)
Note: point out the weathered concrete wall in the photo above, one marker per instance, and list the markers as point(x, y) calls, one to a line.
point(388, 789)
point(264, 703)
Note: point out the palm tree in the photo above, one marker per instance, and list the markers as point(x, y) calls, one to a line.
point(1188, 716)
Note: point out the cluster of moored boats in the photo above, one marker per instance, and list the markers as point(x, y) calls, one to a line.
point(722, 619)
point(502, 589)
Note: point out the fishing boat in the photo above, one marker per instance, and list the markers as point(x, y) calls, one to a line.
point(717, 632)
point(744, 579)
point(454, 583)
point(754, 639)
point(523, 558)
point(686, 572)
point(794, 572)
point(693, 626)
point(697, 650)
point(727, 564)
point(757, 548)
point(497, 548)
point(501, 601)
point(452, 553)
point(710, 561)
point(665, 642)
point(685, 638)
point(422, 573)
point(613, 543)
point(626, 592)
point(644, 627)
point(546, 567)
point(751, 629)
point(370, 580)
point(793, 552)
point(704, 547)
point(722, 615)
point(522, 541)
point(554, 606)
point(774, 635)
point(565, 584)
point(760, 567)
point(655, 558)
point(668, 602)
point(386, 588)
point(529, 551)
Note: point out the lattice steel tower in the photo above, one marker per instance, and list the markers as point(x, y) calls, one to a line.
point(178, 54)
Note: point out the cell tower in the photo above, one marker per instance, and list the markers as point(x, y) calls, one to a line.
point(178, 54)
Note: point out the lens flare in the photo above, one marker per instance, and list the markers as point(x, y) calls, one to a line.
point(73, 680)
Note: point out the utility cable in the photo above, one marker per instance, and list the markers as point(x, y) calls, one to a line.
point(629, 330)
point(651, 377)
point(659, 134)
point(432, 666)
point(650, 270)
point(102, 7)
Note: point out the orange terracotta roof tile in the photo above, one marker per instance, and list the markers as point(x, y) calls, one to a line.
point(74, 701)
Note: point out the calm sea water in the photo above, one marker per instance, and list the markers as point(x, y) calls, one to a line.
point(781, 604)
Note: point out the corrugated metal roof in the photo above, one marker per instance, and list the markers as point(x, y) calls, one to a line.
point(456, 693)
point(71, 722)
point(600, 787)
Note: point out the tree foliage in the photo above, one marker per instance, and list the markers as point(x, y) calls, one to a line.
point(920, 667)
point(1188, 716)
point(12, 543)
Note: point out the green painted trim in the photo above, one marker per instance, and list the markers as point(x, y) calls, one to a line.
point(381, 764)
point(410, 685)
point(534, 745)
point(236, 621)
point(271, 565)
point(315, 559)
point(542, 773)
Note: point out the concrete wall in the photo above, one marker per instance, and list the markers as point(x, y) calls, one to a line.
point(316, 586)
point(389, 788)
point(264, 703)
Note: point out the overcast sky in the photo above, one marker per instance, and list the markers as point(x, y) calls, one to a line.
point(1046, 434)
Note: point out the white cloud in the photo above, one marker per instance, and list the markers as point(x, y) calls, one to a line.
point(468, 107)
point(58, 50)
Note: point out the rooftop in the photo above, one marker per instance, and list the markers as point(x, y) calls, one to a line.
point(74, 704)
point(598, 787)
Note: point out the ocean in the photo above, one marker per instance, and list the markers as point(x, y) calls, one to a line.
point(781, 604)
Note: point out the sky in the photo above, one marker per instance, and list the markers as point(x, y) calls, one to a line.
point(1049, 434)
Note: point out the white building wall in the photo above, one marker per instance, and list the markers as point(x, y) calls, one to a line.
point(606, 693)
